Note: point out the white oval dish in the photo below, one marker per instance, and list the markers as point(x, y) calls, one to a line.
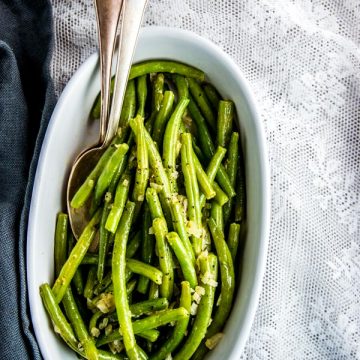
point(70, 131)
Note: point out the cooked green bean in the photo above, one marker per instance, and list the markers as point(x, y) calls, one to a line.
point(149, 123)
point(154, 292)
point(77, 280)
point(225, 122)
point(108, 172)
point(63, 328)
point(118, 206)
point(93, 259)
point(170, 142)
point(208, 148)
point(224, 182)
point(217, 215)
point(148, 323)
point(240, 200)
point(150, 334)
point(215, 163)
point(103, 241)
point(93, 321)
point(199, 154)
point(233, 239)
point(231, 169)
point(105, 355)
point(147, 249)
point(186, 264)
point(159, 319)
point(141, 90)
point(203, 102)
point(78, 325)
point(130, 287)
point(165, 66)
point(208, 267)
point(151, 272)
point(103, 284)
point(148, 306)
point(132, 266)
point(119, 172)
point(159, 172)
point(154, 203)
point(212, 169)
point(158, 89)
point(212, 95)
point(107, 285)
point(207, 238)
point(179, 226)
point(120, 294)
point(182, 86)
point(162, 117)
point(85, 190)
point(181, 326)
point(192, 190)
point(205, 141)
point(164, 254)
point(60, 247)
point(227, 273)
point(142, 170)
point(75, 258)
point(129, 105)
point(137, 211)
point(221, 198)
point(204, 182)
point(133, 245)
point(90, 282)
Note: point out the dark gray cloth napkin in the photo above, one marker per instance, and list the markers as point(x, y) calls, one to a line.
point(26, 103)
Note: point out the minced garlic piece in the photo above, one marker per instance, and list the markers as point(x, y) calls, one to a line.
point(193, 309)
point(106, 303)
point(213, 341)
point(208, 279)
point(95, 332)
point(156, 187)
point(193, 229)
point(108, 329)
point(103, 323)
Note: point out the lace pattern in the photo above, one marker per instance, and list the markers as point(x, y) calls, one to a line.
point(302, 58)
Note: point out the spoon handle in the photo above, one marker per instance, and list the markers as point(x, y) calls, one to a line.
point(108, 15)
point(132, 15)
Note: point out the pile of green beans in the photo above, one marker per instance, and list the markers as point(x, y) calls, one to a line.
point(168, 201)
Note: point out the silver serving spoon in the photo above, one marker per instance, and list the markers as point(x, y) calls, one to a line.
point(108, 19)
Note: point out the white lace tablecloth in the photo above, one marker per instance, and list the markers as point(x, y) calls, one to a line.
point(302, 58)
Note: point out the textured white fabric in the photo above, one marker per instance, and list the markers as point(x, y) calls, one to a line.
point(302, 58)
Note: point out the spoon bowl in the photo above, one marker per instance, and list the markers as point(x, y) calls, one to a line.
point(79, 172)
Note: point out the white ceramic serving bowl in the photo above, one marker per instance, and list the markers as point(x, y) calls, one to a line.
point(70, 131)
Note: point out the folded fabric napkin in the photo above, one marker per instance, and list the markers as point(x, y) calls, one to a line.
point(26, 103)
